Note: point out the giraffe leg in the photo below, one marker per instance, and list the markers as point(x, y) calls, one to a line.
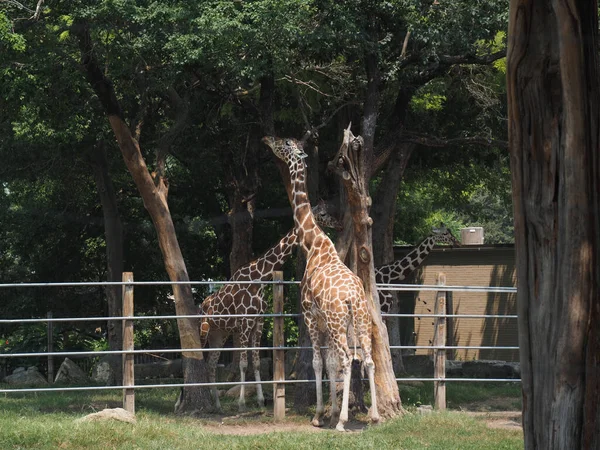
point(244, 338)
point(216, 340)
point(338, 345)
point(256, 362)
point(313, 331)
point(365, 344)
point(332, 374)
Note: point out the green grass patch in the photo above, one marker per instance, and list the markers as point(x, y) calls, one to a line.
point(480, 396)
point(47, 421)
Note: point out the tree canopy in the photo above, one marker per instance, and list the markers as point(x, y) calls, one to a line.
point(198, 84)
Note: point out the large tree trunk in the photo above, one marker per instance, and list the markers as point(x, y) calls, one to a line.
point(383, 213)
point(113, 232)
point(554, 126)
point(153, 191)
point(350, 165)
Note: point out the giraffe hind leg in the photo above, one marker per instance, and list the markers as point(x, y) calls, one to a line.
point(332, 374)
point(315, 338)
point(256, 363)
point(338, 343)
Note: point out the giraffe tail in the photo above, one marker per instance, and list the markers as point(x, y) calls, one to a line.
point(355, 329)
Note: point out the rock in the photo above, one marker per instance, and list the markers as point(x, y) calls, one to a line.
point(70, 373)
point(266, 368)
point(491, 369)
point(454, 369)
point(109, 414)
point(417, 384)
point(290, 364)
point(425, 409)
point(104, 372)
point(235, 391)
point(418, 365)
point(31, 376)
point(164, 369)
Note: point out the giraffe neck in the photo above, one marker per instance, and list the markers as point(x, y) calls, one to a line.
point(273, 259)
point(400, 269)
point(306, 226)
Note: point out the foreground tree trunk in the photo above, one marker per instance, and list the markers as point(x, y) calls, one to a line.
point(554, 126)
point(349, 164)
point(153, 191)
point(113, 232)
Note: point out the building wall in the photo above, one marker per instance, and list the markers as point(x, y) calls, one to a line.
point(466, 266)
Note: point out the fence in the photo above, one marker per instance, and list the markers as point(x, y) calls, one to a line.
point(128, 353)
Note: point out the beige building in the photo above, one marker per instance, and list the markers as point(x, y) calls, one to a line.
point(472, 265)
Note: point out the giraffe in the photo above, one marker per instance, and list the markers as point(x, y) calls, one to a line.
point(247, 299)
point(400, 269)
point(332, 296)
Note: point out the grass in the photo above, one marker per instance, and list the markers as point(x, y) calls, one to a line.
point(47, 421)
point(466, 395)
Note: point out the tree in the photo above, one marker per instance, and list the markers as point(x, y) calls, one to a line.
point(554, 134)
point(153, 189)
point(350, 166)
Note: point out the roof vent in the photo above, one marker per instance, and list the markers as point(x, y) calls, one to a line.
point(471, 236)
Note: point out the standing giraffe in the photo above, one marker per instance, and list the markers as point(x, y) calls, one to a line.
point(247, 299)
point(398, 270)
point(332, 296)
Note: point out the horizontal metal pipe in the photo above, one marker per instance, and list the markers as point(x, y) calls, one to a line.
point(221, 316)
point(381, 286)
point(172, 316)
point(236, 349)
point(219, 384)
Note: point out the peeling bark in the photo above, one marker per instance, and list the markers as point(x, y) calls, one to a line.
point(554, 126)
point(349, 165)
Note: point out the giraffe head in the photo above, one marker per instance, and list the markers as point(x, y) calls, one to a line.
point(443, 235)
point(323, 218)
point(289, 150)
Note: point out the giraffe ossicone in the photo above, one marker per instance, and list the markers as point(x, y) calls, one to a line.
point(244, 300)
point(333, 297)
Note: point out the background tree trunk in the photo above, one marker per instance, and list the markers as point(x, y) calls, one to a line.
point(554, 126)
point(154, 195)
point(113, 232)
point(383, 214)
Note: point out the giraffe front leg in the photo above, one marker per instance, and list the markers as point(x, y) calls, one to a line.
point(370, 365)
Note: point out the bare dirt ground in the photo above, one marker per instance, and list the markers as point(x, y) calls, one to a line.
point(261, 423)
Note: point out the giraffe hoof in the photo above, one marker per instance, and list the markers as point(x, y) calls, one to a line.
point(317, 423)
point(340, 427)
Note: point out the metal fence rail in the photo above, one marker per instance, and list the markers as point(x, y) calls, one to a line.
point(438, 380)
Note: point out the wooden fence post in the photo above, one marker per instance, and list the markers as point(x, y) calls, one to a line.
point(128, 362)
point(439, 340)
point(50, 334)
point(278, 352)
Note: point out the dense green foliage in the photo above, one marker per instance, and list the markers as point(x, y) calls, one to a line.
point(213, 56)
